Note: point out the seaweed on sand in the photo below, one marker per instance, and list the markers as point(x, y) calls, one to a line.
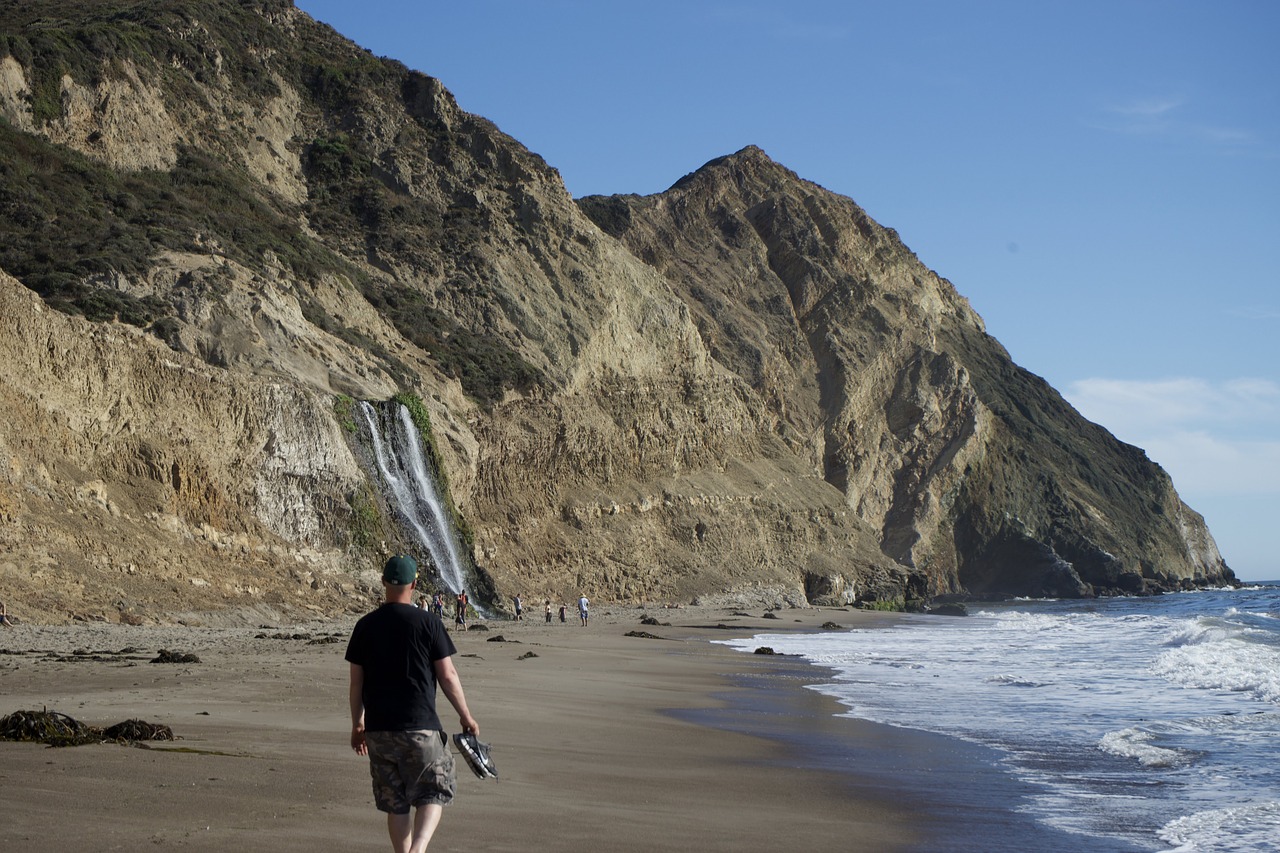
point(134, 730)
point(57, 729)
point(48, 727)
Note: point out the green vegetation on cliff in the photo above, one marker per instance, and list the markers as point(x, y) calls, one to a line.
point(79, 232)
point(69, 225)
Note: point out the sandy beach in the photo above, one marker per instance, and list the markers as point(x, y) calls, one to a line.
point(595, 734)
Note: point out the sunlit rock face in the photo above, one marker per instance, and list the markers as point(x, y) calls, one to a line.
point(740, 390)
point(873, 370)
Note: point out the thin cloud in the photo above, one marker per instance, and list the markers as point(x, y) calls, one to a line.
point(1144, 407)
point(1212, 438)
point(1167, 116)
point(1144, 116)
point(1204, 464)
point(1225, 135)
point(1148, 109)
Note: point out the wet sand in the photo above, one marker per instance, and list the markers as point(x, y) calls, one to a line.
point(602, 741)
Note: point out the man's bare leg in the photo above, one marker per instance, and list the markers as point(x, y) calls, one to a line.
point(423, 826)
point(398, 827)
point(425, 820)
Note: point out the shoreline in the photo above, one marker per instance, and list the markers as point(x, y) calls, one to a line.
point(601, 740)
point(960, 797)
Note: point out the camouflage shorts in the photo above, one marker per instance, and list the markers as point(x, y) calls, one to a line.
point(410, 769)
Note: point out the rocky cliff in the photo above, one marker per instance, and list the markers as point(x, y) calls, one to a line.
point(972, 471)
point(229, 221)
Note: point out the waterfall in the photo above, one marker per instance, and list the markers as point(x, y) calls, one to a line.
point(397, 450)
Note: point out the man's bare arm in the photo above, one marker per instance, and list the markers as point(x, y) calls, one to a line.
point(451, 686)
point(356, 699)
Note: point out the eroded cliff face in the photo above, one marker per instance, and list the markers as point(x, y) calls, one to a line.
point(742, 389)
point(973, 471)
point(141, 481)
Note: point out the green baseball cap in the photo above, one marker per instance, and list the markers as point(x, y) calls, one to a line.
point(400, 570)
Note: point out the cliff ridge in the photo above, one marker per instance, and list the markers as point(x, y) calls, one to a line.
point(223, 222)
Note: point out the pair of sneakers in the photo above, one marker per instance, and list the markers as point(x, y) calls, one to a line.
point(476, 755)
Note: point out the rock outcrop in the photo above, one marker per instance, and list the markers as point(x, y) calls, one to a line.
point(740, 390)
point(972, 470)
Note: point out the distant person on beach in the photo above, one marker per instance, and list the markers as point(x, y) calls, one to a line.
point(563, 608)
point(548, 611)
point(519, 609)
point(460, 617)
point(398, 654)
point(437, 604)
point(4, 616)
point(582, 609)
point(422, 602)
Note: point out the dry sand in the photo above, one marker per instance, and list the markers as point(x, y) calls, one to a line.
point(591, 740)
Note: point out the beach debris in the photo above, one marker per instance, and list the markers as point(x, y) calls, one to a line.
point(765, 650)
point(88, 617)
point(830, 626)
point(326, 640)
point(281, 635)
point(99, 656)
point(498, 638)
point(137, 730)
point(769, 614)
point(58, 729)
point(644, 635)
point(47, 726)
point(167, 656)
point(526, 656)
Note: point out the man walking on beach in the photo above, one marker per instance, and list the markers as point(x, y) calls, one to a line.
point(582, 609)
point(398, 654)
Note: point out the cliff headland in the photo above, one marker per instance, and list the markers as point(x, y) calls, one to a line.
point(222, 224)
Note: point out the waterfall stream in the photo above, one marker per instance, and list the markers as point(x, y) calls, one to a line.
point(411, 487)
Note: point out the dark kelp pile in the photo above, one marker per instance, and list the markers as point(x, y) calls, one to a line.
point(167, 656)
point(58, 729)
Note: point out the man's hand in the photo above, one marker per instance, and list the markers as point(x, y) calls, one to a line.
point(357, 740)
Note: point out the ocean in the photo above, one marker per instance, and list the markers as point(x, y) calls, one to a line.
point(1119, 724)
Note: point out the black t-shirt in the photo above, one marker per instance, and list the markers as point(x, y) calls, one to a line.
point(397, 645)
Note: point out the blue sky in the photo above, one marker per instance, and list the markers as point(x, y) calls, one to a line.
point(1100, 179)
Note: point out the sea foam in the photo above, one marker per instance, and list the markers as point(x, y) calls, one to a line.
point(1252, 827)
point(1136, 743)
point(1137, 721)
point(1220, 657)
